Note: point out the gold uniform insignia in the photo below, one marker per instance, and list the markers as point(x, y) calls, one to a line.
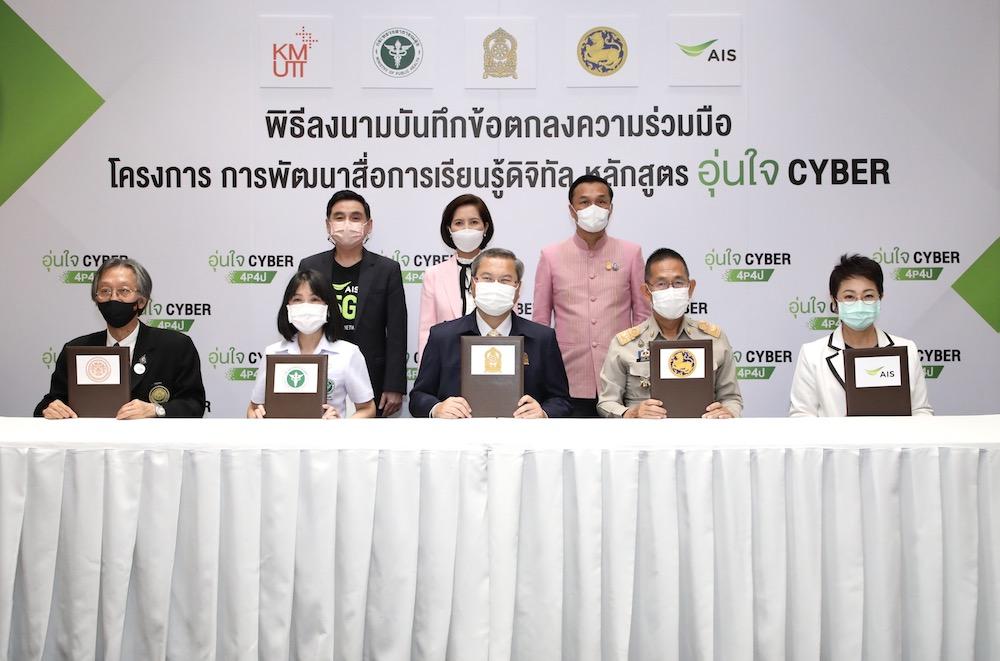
point(629, 334)
point(159, 394)
point(524, 358)
point(710, 329)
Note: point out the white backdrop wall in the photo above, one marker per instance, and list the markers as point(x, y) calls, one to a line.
point(915, 85)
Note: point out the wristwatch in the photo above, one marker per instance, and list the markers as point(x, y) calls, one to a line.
point(160, 411)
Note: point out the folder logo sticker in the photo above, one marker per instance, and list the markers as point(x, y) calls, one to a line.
point(295, 378)
point(493, 361)
point(397, 52)
point(682, 363)
point(602, 51)
point(499, 55)
point(288, 59)
point(98, 369)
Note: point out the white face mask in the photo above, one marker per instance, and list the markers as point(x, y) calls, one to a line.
point(347, 234)
point(671, 303)
point(468, 240)
point(494, 298)
point(593, 218)
point(307, 317)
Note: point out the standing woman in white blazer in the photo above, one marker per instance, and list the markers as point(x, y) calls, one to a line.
point(466, 226)
point(856, 297)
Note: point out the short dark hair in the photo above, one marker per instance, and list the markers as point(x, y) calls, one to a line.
point(449, 213)
point(342, 195)
point(334, 326)
point(855, 266)
point(590, 179)
point(498, 253)
point(661, 254)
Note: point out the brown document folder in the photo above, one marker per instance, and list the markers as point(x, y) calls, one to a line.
point(305, 404)
point(877, 399)
point(692, 386)
point(95, 399)
point(490, 383)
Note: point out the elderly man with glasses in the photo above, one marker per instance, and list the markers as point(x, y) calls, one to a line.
point(625, 382)
point(496, 286)
point(165, 371)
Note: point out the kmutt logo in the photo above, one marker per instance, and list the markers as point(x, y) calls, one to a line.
point(289, 59)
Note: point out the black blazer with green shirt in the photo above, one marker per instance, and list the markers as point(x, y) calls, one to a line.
point(170, 360)
point(380, 323)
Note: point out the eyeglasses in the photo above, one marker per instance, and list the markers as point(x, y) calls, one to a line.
point(505, 280)
point(659, 285)
point(851, 298)
point(105, 293)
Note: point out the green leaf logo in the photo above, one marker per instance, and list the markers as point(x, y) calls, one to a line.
point(695, 51)
point(875, 371)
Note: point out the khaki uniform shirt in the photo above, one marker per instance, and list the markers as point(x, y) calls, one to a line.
point(625, 378)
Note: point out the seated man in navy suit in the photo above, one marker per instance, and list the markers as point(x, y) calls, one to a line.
point(496, 284)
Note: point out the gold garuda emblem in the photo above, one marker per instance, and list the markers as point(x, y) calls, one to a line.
point(494, 361)
point(682, 363)
point(500, 55)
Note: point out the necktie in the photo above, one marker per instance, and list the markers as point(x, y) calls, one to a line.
point(463, 284)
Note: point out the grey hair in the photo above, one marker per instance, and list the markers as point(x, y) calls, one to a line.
point(498, 253)
point(143, 281)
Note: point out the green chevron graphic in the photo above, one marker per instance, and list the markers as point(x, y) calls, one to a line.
point(980, 285)
point(42, 101)
point(695, 51)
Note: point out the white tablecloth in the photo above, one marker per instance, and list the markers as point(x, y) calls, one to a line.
point(471, 540)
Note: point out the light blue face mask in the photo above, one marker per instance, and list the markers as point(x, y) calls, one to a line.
point(858, 315)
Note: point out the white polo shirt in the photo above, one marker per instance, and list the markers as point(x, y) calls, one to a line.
point(347, 372)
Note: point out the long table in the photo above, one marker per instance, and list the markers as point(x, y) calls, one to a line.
point(750, 539)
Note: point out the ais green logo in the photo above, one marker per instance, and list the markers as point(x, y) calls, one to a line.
point(875, 371)
point(295, 378)
point(714, 55)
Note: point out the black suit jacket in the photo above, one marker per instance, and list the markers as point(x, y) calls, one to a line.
point(440, 375)
point(171, 361)
point(380, 323)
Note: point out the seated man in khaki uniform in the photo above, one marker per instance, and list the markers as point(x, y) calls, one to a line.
point(625, 374)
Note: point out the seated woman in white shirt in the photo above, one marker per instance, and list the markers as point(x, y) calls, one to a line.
point(310, 322)
point(856, 296)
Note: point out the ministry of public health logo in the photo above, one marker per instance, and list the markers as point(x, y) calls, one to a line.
point(602, 51)
point(397, 52)
point(295, 378)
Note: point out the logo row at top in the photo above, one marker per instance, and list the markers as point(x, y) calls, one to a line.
point(502, 52)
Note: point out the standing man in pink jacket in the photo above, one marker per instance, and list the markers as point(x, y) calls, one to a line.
point(591, 286)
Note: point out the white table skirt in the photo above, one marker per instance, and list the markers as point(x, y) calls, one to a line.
point(472, 540)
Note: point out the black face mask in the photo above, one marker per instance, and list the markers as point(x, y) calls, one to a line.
point(117, 313)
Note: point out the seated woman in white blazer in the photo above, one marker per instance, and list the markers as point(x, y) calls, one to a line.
point(818, 384)
point(466, 226)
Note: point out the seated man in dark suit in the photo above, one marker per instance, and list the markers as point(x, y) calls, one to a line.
point(165, 370)
point(496, 283)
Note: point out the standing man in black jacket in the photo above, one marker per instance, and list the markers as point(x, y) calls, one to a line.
point(369, 290)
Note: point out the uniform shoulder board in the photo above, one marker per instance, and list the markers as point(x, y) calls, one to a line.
point(629, 334)
point(710, 329)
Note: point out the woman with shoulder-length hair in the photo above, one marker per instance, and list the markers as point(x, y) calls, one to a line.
point(856, 296)
point(309, 322)
point(466, 227)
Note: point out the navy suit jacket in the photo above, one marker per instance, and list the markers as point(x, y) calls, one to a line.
point(171, 361)
point(441, 366)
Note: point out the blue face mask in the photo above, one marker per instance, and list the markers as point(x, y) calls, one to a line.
point(858, 315)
